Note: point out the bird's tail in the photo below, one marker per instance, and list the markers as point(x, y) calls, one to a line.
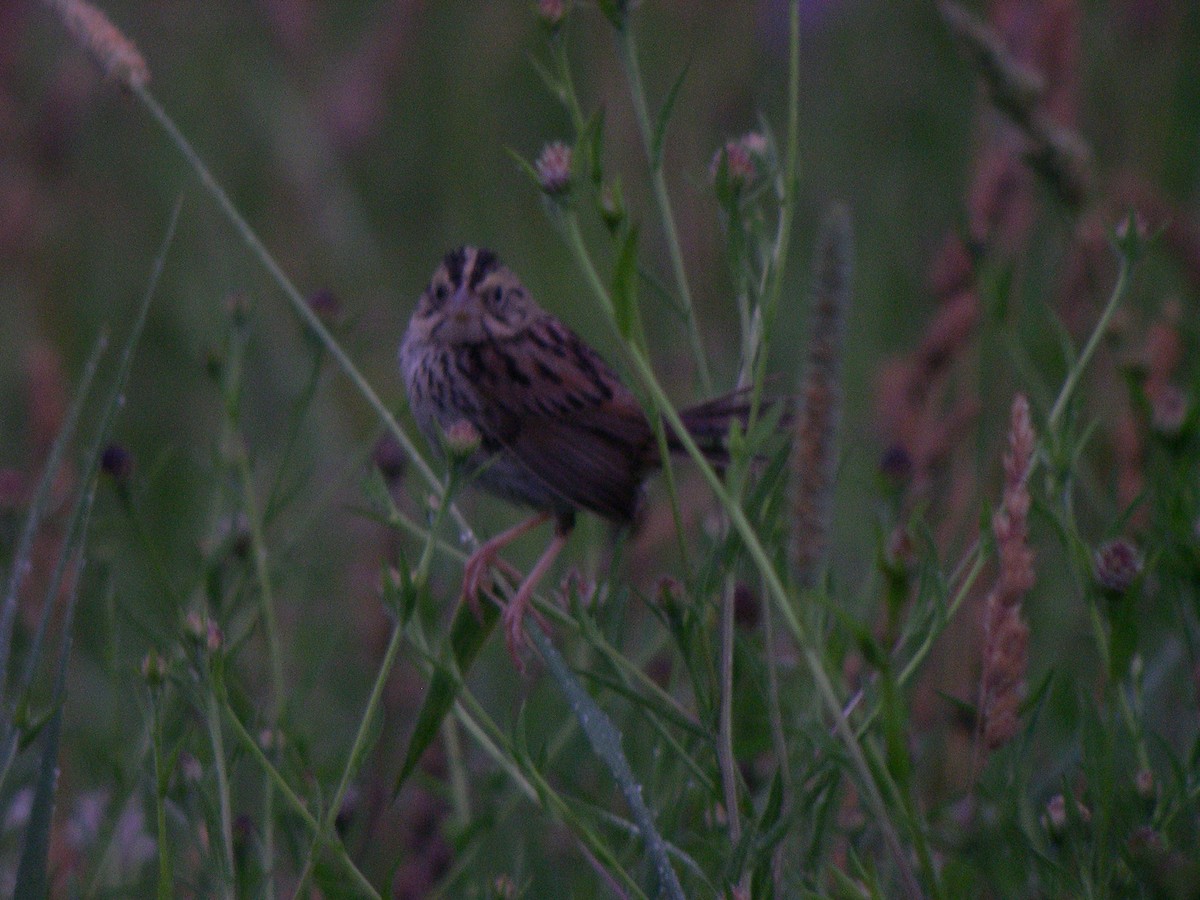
point(708, 422)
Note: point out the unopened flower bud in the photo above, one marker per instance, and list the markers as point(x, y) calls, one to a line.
point(116, 462)
point(214, 637)
point(1055, 818)
point(390, 458)
point(1118, 564)
point(612, 205)
point(738, 163)
point(326, 305)
point(237, 305)
point(1143, 783)
point(554, 168)
point(1168, 410)
point(204, 631)
point(154, 668)
point(552, 13)
point(1131, 234)
point(747, 609)
point(461, 440)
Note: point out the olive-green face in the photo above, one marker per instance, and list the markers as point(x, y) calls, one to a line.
point(472, 298)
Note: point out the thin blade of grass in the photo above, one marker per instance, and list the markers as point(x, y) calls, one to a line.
point(32, 872)
point(605, 741)
point(37, 507)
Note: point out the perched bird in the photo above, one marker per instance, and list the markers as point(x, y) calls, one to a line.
point(558, 431)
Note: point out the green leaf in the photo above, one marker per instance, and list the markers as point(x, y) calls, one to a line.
point(774, 806)
point(524, 165)
point(625, 285)
point(1123, 635)
point(467, 636)
point(40, 503)
point(898, 761)
point(400, 593)
point(664, 117)
point(32, 877)
point(616, 11)
point(591, 142)
point(330, 878)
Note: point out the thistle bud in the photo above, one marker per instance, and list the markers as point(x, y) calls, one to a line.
point(737, 161)
point(1168, 410)
point(154, 668)
point(116, 462)
point(326, 305)
point(461, 440)
point(552, 13)
point(612, 205)
point(1118, 564)
point(553, 168)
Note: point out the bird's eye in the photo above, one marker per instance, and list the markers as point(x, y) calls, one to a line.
point(495, 297)
point(439, 294)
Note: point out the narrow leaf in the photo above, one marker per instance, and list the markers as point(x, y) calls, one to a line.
point(624, 290)
point(41, 497)
point(664, 118)
point(32, 877)
point(467, 636)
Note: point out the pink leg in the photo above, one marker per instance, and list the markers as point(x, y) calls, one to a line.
point(514, 612)
point(476, 569)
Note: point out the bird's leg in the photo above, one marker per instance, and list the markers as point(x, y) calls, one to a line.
point(514, 612)
point(476, 569)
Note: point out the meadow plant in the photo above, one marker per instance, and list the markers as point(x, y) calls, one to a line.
point(969, 672)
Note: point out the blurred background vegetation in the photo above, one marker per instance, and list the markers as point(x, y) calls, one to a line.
point(362, 141)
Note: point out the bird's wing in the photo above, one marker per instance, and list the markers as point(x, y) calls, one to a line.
point(558, 408)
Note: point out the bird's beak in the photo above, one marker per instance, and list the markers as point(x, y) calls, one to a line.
point(459, 308)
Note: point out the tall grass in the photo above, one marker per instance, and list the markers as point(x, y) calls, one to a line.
point(774, 716)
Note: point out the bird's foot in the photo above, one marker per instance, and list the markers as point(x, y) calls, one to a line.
point(477, 579)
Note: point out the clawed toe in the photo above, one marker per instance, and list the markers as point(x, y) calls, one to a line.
point(514, 635)
point(475, 575)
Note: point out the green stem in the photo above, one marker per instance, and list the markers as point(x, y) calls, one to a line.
point(628, 54)
point(775, 587)
point(325, 831)
point(605, 742)
point(213, 722)
point(773, 289)
point(1089, 349)
point(459, 794)
point(579, 249)
point(299, 306)
point(780, 596)
point(297, 805)
point(725, 759)
point(262, 572)
point(165, 879)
